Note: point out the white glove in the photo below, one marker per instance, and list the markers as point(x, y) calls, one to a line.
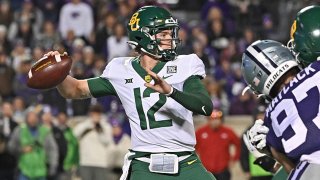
point(251, 147)
point(257, 134)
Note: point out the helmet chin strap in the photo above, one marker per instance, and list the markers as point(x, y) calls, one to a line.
point(290, 46)
point(258, 95)
point(245, 90)
point(153, 55)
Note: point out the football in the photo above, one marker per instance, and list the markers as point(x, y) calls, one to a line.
point(49, 71)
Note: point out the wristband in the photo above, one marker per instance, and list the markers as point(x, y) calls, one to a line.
point(171, 92)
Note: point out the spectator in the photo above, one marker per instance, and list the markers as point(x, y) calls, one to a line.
point(47, 121)
point(6, 16)
point(218, 97)
point(53, 98)
point(224, 75)
point(7, 123)
point(198, 49)
point(247, 38)
point(104, 32)
point(49, 37)
point(7, 126)
point(5, 45)
point(213, 143)
point(74, 15)
point(35, 148)
point(7, 160)
point(19, 54)
point(25, 27)
point(20, 83)
point(94, 133)
point(7, 76)
point(122, 144)
point(253, 171)
point(117, 44)
point(242, 104)
point(125, 11)
point(98, 66)
point(199, 36)
point(19, 107)
point(185, 44)
point(36, 53)
point(67, 42)
point(30, 13)
point(88, 60)
point(68, 148)
point(51, 9)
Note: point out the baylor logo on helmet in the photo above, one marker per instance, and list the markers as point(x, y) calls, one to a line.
point(134, 22)
point(293, 29)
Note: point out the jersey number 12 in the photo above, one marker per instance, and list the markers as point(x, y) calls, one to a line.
point(150, 119)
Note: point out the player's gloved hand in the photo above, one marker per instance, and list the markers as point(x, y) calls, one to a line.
point(252, 149)
point(265, 162)
point(257, 134)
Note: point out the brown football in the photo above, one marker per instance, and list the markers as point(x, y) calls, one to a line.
point(49, 71)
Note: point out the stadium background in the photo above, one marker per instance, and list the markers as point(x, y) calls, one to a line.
point(218, 31)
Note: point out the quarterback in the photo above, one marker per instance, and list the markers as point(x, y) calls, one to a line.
point(159, 91)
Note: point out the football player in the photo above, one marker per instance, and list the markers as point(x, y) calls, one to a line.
point(293, 116)
point(159, 91)
point(305, 35)
point(304, 43)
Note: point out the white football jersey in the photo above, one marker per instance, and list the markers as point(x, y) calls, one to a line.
point(158, 123)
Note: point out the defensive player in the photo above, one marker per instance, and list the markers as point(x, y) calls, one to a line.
point(293, 117)
point(305, 44)
point(159, 91)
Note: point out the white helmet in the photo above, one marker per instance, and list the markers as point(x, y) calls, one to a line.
point(263, 63)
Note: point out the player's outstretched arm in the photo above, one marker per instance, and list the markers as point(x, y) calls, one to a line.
point(70, 87)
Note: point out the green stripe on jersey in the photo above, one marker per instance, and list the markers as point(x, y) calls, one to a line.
point(101, 87)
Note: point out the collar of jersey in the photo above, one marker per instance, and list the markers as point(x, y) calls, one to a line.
point(137, 67)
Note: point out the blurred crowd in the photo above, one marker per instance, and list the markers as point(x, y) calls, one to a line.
point(93, 32)
point(47, 147)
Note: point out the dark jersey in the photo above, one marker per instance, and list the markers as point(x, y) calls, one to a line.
point(293, 116)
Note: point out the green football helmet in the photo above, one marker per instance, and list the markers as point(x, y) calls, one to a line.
point(305, 35)
point(143, 27)
point(263, 63)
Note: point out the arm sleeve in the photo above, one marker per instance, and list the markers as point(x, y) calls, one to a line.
point(100, 87)
point(194, 96)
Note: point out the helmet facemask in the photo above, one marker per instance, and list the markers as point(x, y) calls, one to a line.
point(167, 54)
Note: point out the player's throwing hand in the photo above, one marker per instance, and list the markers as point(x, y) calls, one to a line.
point(160, 85)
